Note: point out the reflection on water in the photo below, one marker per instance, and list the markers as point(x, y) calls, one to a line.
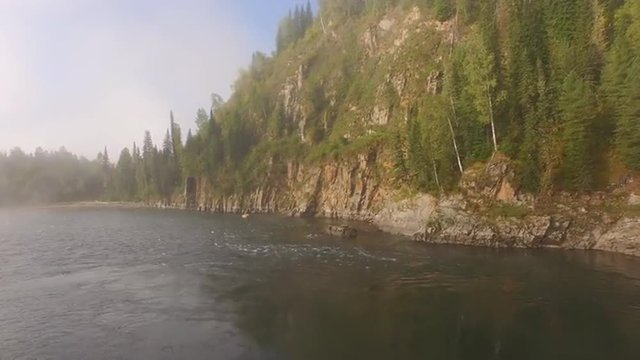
point(140, 284)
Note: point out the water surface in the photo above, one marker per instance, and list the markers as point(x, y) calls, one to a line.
point(145, 284)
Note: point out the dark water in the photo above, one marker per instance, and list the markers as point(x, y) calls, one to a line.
point(142, 284)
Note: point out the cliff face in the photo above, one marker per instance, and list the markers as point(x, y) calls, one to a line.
point(355, 189)
point(485, 212)
point(359, 84)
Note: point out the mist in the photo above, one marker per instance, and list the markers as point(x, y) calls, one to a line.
point(96, 73)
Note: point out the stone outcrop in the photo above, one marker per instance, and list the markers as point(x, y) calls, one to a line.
point(406, 217)
point(343, 231)
point(622, 237)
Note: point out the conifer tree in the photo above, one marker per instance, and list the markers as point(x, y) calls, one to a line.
point(578, 111)
point(628, 126)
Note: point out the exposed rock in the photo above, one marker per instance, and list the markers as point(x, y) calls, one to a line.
point(380, 115)
point(370, 41)
point(406, 217)
point(434, 82)
point(527, 233)
point(385, 24)
point(557, 231)
point(413, 16)
point(343, 231)
point(506, 193)
point(291, 102)
point(398, 81)
point(623, 237)
point(358, 188)
point(492, 181)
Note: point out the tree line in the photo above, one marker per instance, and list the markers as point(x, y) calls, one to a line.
point(48, 177)
point(552, 85)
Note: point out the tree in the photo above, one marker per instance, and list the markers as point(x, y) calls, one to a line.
point(479, 69)
point(294, 27)
point(627, 135)
point(125, 181)
point(202, 120)
point(176, 138)
point(578, 111)
point(148, 167)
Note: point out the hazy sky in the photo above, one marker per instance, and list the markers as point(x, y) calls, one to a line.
point(88, 73)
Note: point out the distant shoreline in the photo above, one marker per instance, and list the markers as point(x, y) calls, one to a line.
point(83, 204)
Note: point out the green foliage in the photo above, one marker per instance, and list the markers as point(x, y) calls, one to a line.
point(504, 210)
point(578, 110)
point(557, 80)
point(293, 27)
point(125, 181)
point(529, 168)
point(628, 129)
point(620, 85)
point(444, 9)
point(47, 177)
point(481, 76)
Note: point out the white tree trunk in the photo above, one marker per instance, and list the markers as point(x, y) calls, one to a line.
point(493, 126)
point(435, 173)
point(455, 145)
point(453, 136)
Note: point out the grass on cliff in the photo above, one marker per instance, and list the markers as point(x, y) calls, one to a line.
point(504, 210)
point(622, 210)
point(342, 148)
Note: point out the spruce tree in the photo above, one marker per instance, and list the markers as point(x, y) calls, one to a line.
point(628, 126)
point(578, 111)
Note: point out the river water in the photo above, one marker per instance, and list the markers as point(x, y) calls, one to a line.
point(146, 284)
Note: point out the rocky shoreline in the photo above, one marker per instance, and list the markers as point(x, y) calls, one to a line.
point(484, 211)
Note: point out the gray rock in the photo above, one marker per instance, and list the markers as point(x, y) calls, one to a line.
point(343, 231)
point(406, 217)
point(528, 233)
point(623, 237)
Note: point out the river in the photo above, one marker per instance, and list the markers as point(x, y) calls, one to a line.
point(150, 284)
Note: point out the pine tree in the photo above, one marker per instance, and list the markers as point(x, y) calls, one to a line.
point(148, 167)
point(167, 146)
point(529, 161)
point(308, 13)
point(125, 181)
point(578, 111)
point(628, 126)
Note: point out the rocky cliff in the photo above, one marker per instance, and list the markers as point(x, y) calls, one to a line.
point(384, 140)
point(485, 211)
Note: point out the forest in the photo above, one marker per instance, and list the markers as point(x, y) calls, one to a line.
point(552, 85)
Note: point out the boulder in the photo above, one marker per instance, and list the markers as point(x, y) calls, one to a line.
point(343, 231)
point(529, 232)
point(622, 237)
point(406, 217)
point(491, 181)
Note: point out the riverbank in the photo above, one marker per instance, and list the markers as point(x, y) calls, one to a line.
point(456, 219)
point(487, 209)
point(98, 204)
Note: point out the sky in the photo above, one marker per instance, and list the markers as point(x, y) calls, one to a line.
point(85, 74)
